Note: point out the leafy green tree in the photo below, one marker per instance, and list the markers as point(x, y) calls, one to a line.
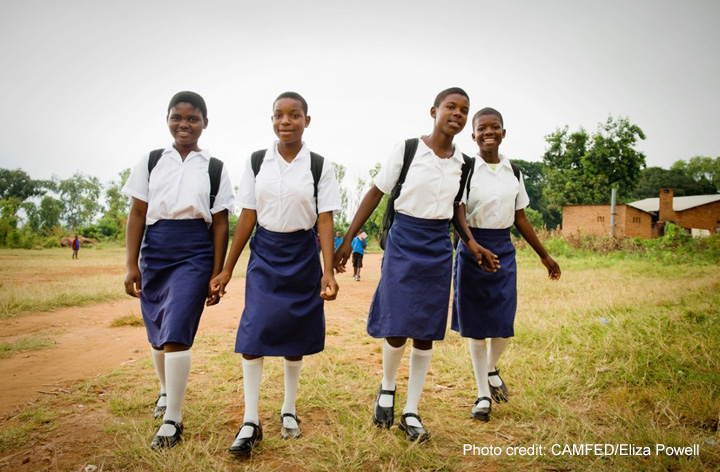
point(535, 181)
point(80, 196)
point(50, 213)
point(18, 184)
point(580, 169)
point(117, 205)
point(341, 219)
point(701, 169)
point(653, 179)
point(8, 220)
point(373, 225)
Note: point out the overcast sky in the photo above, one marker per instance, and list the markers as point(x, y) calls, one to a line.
point(85, 84)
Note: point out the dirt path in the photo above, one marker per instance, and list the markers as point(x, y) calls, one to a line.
point(85, 345)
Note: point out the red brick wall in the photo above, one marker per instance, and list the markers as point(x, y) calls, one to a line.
point(703, 217)
point(595, 219)
point(666, 205)
point(635, 223)
point(586, 219)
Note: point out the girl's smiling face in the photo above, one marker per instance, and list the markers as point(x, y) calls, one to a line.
point(186, 125)
point(488, 132)
point(452, 113)
point(289, 120)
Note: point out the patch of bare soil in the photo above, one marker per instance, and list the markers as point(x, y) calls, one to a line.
point(86, 346)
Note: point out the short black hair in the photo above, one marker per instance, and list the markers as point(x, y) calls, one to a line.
point(192, 98)
point(294, 96)
point(488, 111)
point(452, 90)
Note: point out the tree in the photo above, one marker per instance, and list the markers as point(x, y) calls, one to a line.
point(18, 184)
point(117, 205)
point(373, 225)
point(341, 219)
point(580, 169)
point(50, 212)
point(80, 196)
point(534, 179)
point(702, 170)
point(653, 179)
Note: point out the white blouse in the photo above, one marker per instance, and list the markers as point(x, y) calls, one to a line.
point(282, 194)
point(494, 195)
point(177, 189)
point(430, 186)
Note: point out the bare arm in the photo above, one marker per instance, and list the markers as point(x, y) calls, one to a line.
point(488, 261)
point(526, 231)
point(329, 287)
point(243, 230)
point(367, 206)
point(133, 239)
point(220, 230)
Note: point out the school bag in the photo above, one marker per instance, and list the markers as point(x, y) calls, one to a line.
point(410, 149)
point(316, 165)
point(215, 167)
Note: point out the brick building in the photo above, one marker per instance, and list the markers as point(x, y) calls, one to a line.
point(646, 218)
point(595, 219)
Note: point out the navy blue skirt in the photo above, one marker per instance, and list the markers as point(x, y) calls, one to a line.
point(411, 299)
point(176, 261)
point(284, 314)
point(484, 303)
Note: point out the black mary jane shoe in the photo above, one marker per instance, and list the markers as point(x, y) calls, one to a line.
point(244, 446)
point(290, 433)
point(382, 416)
point(167, 442)
point(413, 433)
point(159, 410)
point(498, 394)
point(481, 413)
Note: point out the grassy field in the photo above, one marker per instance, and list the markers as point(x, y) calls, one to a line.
point(618, 352)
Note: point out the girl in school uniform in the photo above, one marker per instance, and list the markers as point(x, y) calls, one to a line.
point(411, 300)
point(285, 284)
point(484, 303)
point(184, 241)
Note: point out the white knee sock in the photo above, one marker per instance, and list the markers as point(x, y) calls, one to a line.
point(252, 376)
point(392, 356)
point(177, 372)
point(497, 346)
point(419, 366)
point(292, 379)
point(478, 354)
point(158, 358)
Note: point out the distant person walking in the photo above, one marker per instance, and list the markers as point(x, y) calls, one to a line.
point(359, 244)
point(76, 247)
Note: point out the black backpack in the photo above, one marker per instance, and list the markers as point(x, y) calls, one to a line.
point(411, 146)
point(316, 165)
point(215, 167)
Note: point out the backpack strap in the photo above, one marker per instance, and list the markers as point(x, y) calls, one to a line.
point(316, 166)
point(516, 171)
point(467, 170)
point(153, 159)
point(411, 146)
point(215, 167)
point(256, 160)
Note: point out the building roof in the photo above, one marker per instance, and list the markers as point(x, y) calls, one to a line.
point(679, 203)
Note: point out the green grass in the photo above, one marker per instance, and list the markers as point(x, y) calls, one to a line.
point(32, 281)
point(618, 351)
point(32, 343)
point(127, 320)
